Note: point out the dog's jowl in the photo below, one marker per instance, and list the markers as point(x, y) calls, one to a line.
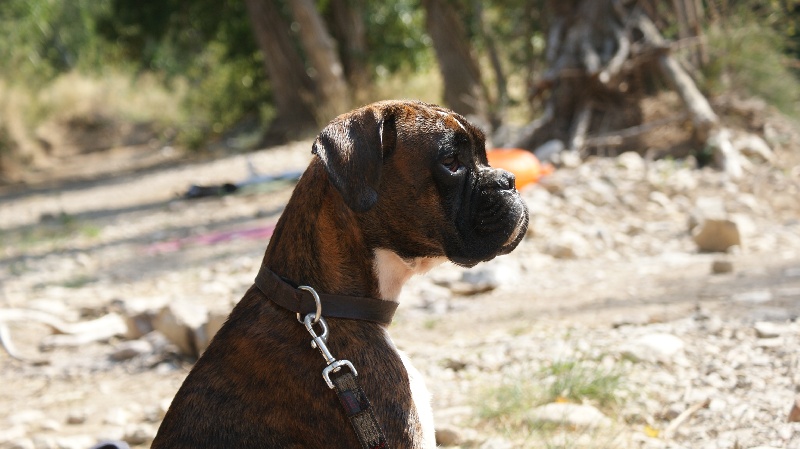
point(394, 189)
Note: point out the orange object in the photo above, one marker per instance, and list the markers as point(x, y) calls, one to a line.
point(522, 163)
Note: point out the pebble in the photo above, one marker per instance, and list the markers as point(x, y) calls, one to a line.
point(754, 296)
point(657, 347)
point(447, 436)
point(766, 329)
point(720, 266)
point(130, 349)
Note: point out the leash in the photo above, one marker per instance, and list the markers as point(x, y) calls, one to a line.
point(345, 383)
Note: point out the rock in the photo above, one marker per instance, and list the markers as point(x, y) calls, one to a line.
point(116, 417)
point(654, 348)
point(766, 329)
point(183, 324)
point(130, 349)
point(714, 235)
point(632, 162)
point(721, 266)
point(44, 442)
point(754, 296)
point(493, 274)
point(20, 443)
point(567, 245)
point(549, 151)
point(49, 425)
point(576, 415)
point(794, 413)
point(214, 322)
point(447, 436)
point(139, 434)
point(76, 417)
point(74, 442)
point(26, 417)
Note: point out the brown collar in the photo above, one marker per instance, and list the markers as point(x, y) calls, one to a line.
point(336, 306)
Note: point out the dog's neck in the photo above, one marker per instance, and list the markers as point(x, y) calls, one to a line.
point(303, 246)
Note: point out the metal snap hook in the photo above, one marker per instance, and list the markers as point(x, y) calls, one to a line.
point(313, 292)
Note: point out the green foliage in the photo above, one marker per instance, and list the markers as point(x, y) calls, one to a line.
point(750, 58)
point(572, 381)
point(396, 37)
point(42, 38)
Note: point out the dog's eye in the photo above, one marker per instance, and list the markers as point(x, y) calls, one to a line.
point(451, 163)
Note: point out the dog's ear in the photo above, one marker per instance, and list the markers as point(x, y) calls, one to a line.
point(352, 148)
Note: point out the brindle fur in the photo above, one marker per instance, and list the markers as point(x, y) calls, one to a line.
point(259, 384)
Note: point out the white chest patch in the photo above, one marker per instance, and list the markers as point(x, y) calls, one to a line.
point(421, 398)
point(393, 271)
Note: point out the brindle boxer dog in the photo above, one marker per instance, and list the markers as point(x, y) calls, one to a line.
point(395, 188)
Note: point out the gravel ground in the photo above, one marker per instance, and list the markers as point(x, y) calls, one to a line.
point(608, 289)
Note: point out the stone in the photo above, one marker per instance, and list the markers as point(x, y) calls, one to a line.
point(130, 349)
point(180, 322)
point(794, 413)
point(631, 161)
point(493, 274)
point(721, 266)
point(116, 417)
point(139, 434)
point(753, 296)
point(549, 151)
point(74, 442)
point(654, 348)
point(714, 235)
point(20, 443)
point(766, 329)
point(76, 417)
point(447, 436)
point(567, 245)
point(575, 415)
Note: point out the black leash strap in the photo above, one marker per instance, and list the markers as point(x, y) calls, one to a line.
point(344, 383)
point(359, 412)
point(338, 306)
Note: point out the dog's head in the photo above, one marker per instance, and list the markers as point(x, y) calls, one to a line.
point(419, 172)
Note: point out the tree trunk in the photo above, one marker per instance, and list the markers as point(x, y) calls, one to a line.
point(604, 57)
point(327, 74)
point(292, 89)
point(348, 26)
point(463, 89)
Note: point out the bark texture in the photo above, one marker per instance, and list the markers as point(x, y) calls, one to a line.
point(463, 88)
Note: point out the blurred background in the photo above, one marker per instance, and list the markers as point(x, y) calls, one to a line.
point(86, 75)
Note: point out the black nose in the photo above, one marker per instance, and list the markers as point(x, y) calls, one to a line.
point(504, 180)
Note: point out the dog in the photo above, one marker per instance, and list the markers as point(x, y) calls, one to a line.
point(393, 189)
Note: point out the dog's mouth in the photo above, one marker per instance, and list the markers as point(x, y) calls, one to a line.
point(498, 224)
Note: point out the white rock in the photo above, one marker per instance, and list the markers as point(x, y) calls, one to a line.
point(655, 348)
point(20, 443)
point(130, 349)
point(74, 442)
point(765, 329)
point(180, 322)
point(631, 161)
point(753, 296)
point(577, 415)
point(116, 417)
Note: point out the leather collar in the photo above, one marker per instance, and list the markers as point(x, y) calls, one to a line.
point(289, 297)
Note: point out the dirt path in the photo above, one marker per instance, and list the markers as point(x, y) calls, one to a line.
point(80, 249)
